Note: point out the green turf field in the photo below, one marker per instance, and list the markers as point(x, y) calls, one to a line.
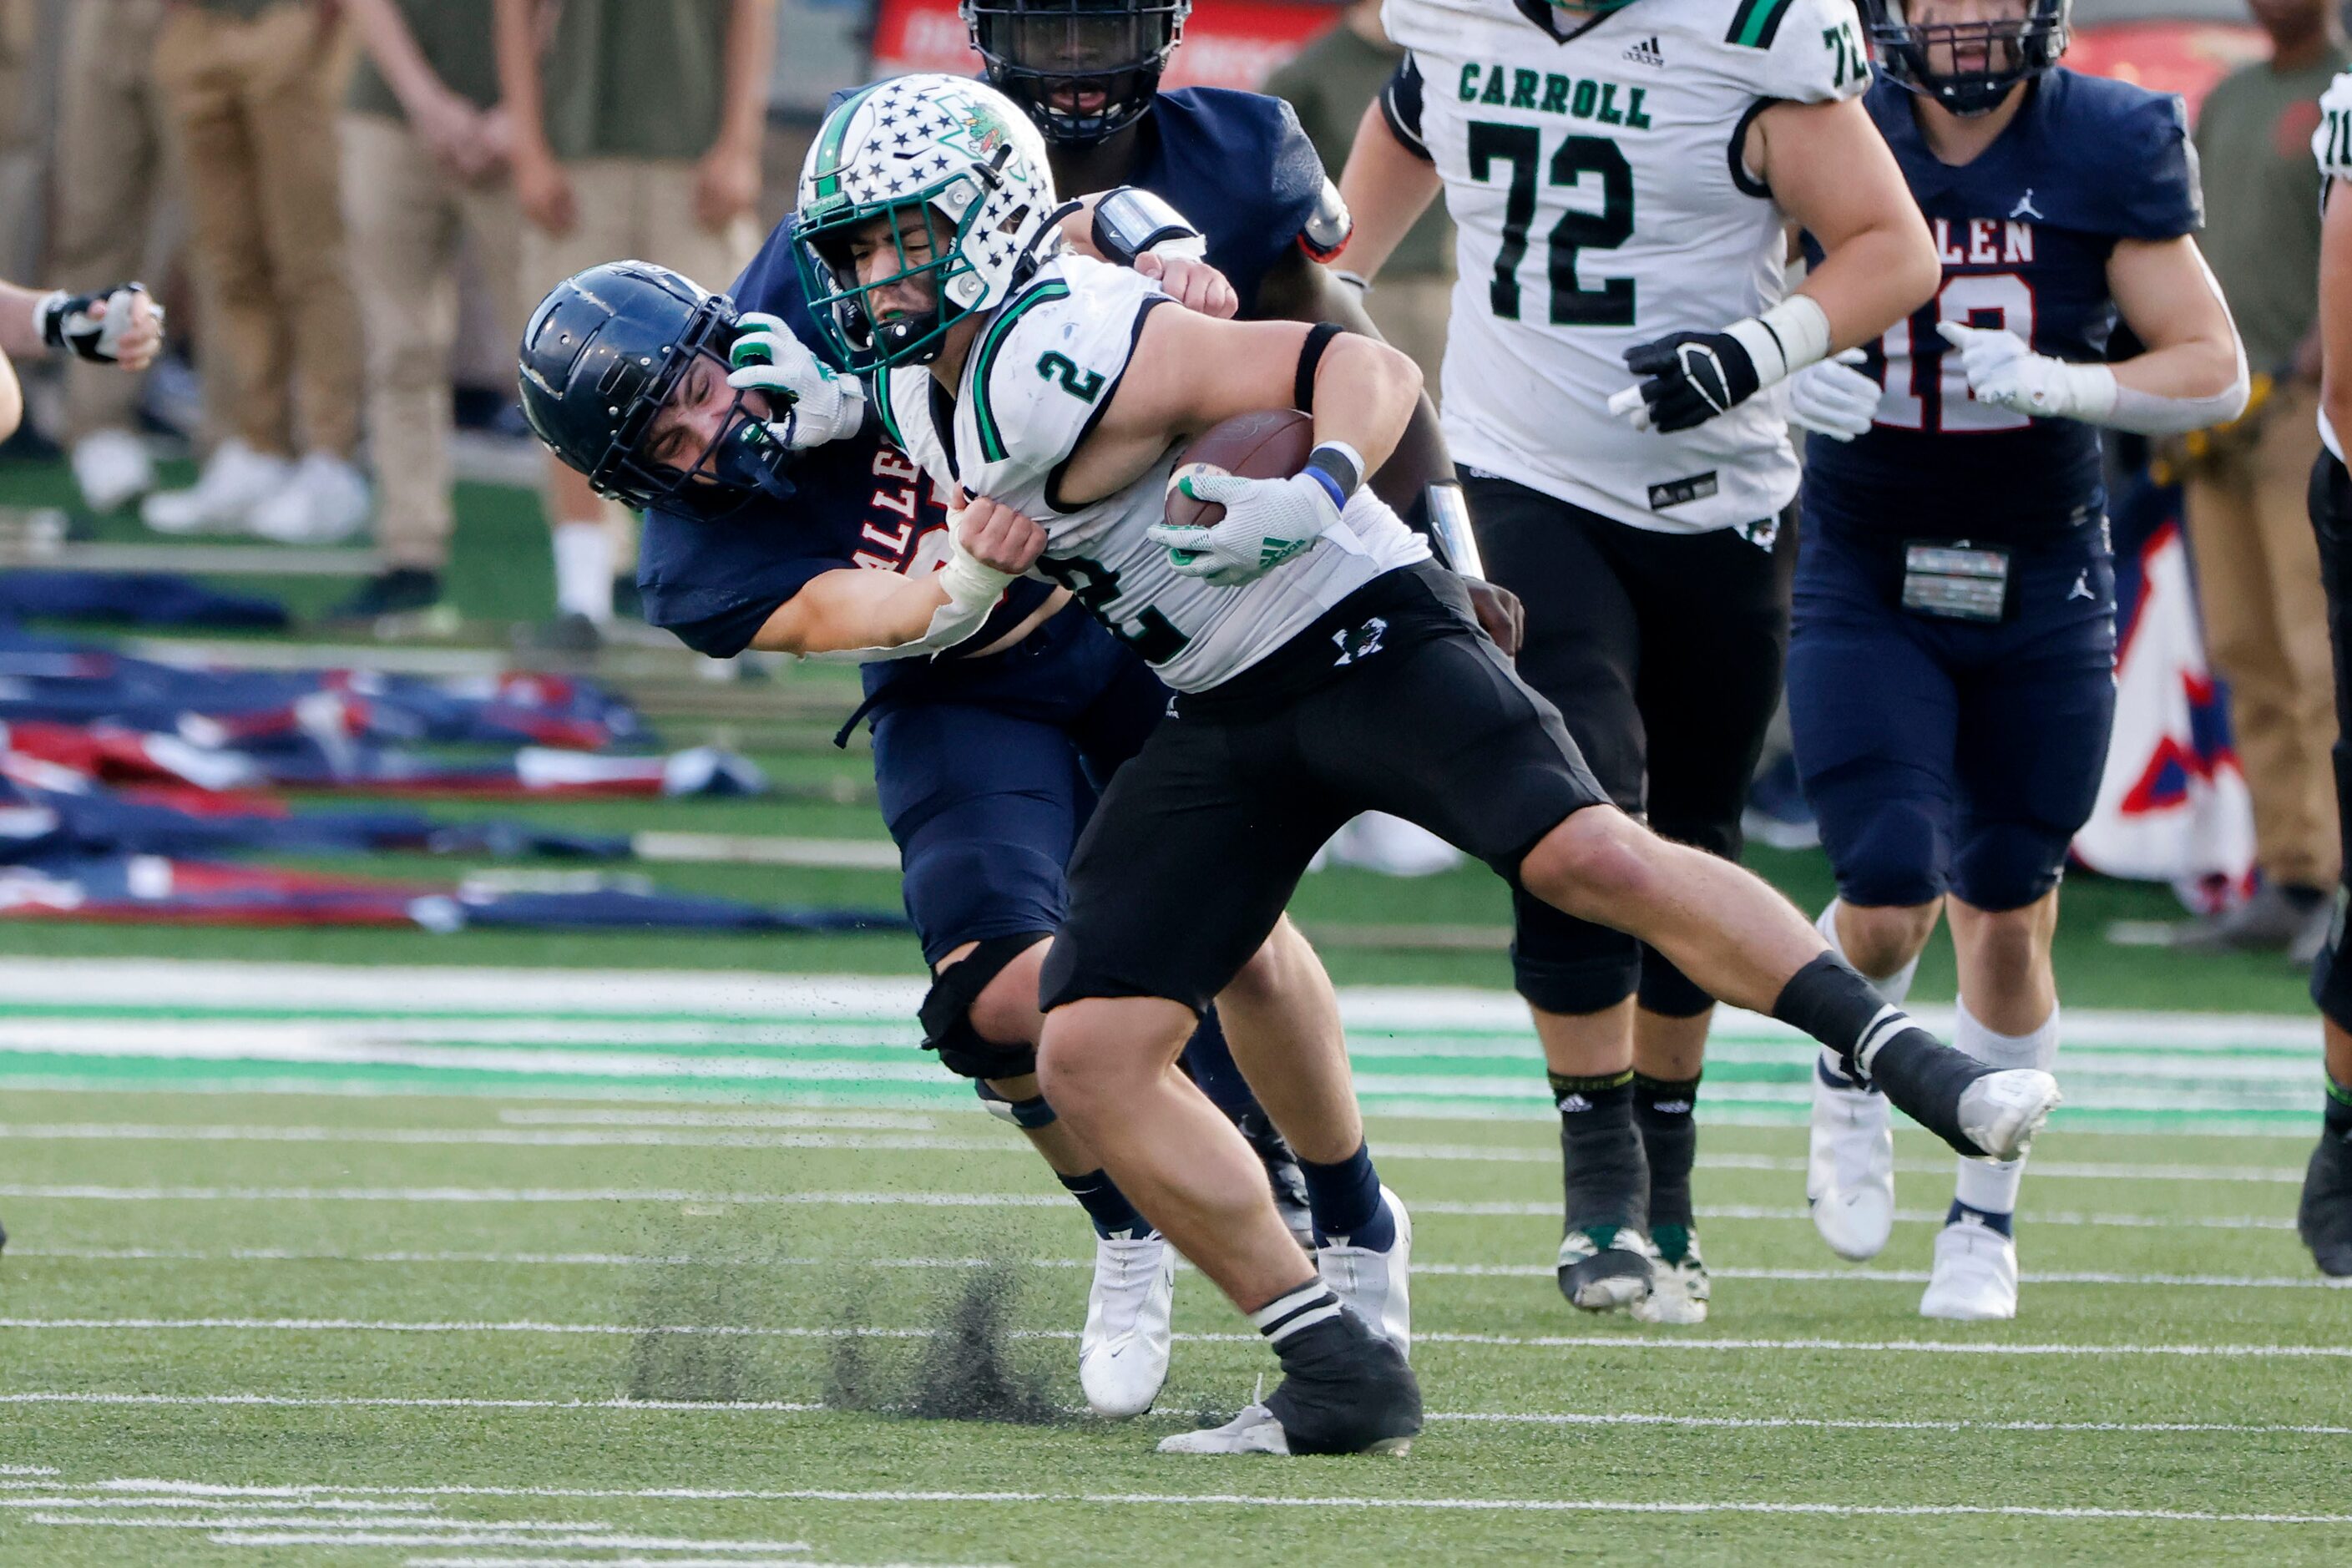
point(461, 1267)
point(496, 1249)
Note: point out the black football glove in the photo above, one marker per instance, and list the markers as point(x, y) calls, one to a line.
point(67, 323)
point(1691, 377)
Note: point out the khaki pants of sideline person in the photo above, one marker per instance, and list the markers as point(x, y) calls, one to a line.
point(113, 160)
point(1412, 312)
point(407, 216)
point(2266, 628)
point(254, 106)
point(638, 209)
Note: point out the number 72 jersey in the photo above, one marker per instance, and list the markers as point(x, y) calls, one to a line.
point(1592, 169)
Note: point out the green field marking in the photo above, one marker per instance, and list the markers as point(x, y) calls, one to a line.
point(846, 1039)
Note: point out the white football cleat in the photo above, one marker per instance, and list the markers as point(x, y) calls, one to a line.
point(1254, 1431)
point(112, 469)
point(1975, 1277)
point(1678, 1286)
point(1123, 1353)
point(325, 501)
point(233, 483)
point(1376, 1286)
point(1850, 1169)
point(2001, 1112)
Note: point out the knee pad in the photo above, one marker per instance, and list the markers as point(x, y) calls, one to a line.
point(1885, 850)
point(1666, 990)
point(2008, 865)
point(946, 1012)
point(1028, 1114)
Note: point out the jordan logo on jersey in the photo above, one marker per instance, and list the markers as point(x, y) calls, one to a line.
point(2025, 208)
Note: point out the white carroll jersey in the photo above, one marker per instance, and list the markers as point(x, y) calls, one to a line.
point(1592, 169)
point(2332, 145)
point(1036, 380)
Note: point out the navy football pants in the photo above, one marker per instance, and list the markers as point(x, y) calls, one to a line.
point(1943, 754)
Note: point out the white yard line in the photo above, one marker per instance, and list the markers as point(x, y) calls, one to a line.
point(882, 1199)
point(1538, 1341)
point(773, 1407)
point(1501, 1270)
point(405, 992)
point(1239, 1499)
point(655, 1128)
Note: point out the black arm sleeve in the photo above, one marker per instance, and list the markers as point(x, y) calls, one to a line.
point(1401, 107)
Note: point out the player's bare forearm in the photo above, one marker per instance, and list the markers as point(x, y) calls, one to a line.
point(1189, 372)
point(20, 324)
point(837, 612)
point(12, 399)
point(1828, 168)
point(2168, 296)
point(2335, 313)
point(1365, 395)
point(1387, 187)
point(1299, 289)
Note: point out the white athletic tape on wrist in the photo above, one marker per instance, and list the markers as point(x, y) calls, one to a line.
point(1792, 335)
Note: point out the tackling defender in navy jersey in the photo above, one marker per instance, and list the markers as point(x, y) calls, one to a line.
point(1950, 672)
point(988, 766)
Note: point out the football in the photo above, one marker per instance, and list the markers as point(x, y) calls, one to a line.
point(1272, 443)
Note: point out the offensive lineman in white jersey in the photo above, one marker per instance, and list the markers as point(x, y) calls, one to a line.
point(1325, 667)
point(1621, 174)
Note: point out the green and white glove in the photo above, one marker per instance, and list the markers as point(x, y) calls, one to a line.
point(818, 403)
point(1266, 522)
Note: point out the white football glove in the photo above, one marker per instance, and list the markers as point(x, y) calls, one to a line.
point(1266, 522)
point(1833, 399)
point(2003, 371)
point(819, 404)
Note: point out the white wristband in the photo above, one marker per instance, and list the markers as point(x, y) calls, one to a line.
point(969, 585)
point(1785, 339)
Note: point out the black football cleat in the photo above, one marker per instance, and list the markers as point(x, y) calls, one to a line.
point(1348, 1392)
point(2323, 1218)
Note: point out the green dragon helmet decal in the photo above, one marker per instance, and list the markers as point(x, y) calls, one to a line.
point(943, 178)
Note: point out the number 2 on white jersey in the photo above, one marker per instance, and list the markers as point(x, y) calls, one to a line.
point(1990, 299)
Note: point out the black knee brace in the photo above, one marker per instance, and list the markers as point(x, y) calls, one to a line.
point(946, 1012)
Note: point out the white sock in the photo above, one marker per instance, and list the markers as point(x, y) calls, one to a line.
point(584, 570)
point(1991, 1187)
point(1895, 987)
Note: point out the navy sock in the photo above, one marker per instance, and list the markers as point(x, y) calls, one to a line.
point(1114, 1217)
point(1603, 1173)
point(1345, 1199)
point(1986, 1218)
point(1210, 1062)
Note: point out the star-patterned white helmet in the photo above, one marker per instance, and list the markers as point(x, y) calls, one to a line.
point(943, 170)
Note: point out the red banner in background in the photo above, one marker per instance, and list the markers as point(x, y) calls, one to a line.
point(1227, 42)
point(2186, 58)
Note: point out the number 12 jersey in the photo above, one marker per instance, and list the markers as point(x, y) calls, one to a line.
point(1593, 169)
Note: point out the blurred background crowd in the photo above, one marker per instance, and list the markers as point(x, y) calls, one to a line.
point(350, 206)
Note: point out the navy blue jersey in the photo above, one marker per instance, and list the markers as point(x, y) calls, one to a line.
point(2024, 233)
point(861, 502)
point(1238, 165)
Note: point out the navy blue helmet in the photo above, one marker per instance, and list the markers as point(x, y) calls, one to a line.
point(602, 355)
point(1081, 68)
point(2009, 50)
